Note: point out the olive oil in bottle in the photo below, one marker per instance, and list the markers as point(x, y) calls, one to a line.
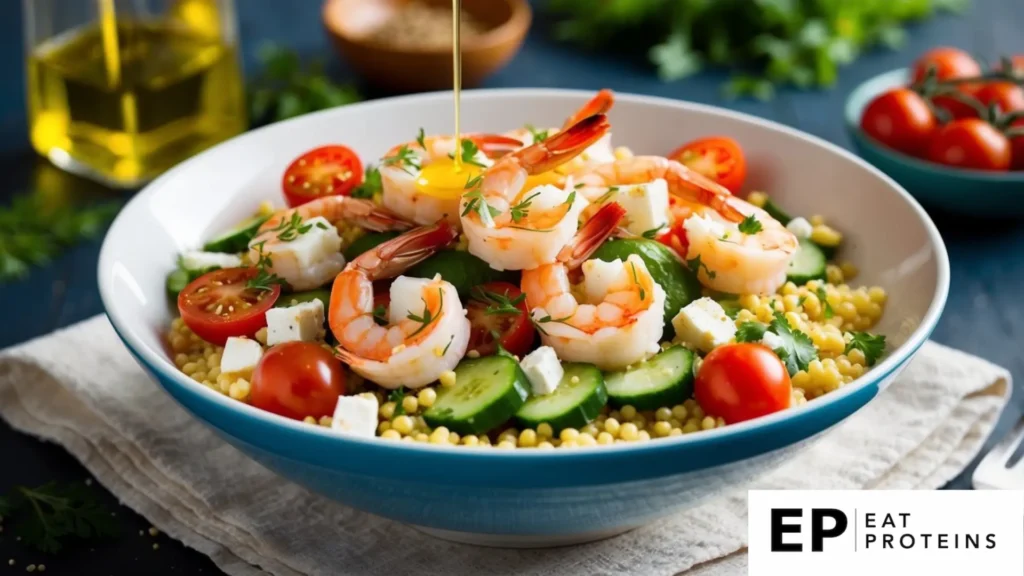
point(124, 98)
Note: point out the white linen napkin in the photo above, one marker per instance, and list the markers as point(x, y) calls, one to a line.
point(80, 388)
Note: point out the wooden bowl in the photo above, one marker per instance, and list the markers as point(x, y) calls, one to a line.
point(352, 23)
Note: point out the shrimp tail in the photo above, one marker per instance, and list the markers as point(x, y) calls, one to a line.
point(591, 235)
point(495, 145)
point(347, 358)
point(563, 146)
point(601, 103)
point(693, 186)
point(399, 254)
point(369, 215)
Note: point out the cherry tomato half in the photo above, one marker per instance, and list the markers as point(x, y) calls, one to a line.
point(217, 305)
point(950, 64)
point(970, 143)
point(901, 120)
point(718, 158)
point(515, 331)
point(1007, 96)
point(324, 171)
point(297, 379)
point(675, 238)
point(742, 381)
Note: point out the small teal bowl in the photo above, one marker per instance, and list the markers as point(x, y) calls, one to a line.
point(972, 192)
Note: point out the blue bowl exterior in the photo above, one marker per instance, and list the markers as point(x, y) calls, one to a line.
point(474, 491)
point(964, 192)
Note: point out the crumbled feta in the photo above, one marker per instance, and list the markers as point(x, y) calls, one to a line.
point(800, 227)
point(646, 205)
point(543, 370)
point(241, 355)
point(197, 260)
point(356, 415)
point(704, 325)
point(311, 259)
point(301, 322)
point(772, 340)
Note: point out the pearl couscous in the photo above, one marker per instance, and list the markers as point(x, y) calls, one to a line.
point(648, 345)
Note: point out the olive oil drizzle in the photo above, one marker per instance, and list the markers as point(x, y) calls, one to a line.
point(457, 77)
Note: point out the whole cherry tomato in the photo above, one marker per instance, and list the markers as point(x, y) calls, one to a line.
point(971, 143)
point(901, 120)
point(297, 379)
point(742, 381)
point(950, 64)
point(1007, 96)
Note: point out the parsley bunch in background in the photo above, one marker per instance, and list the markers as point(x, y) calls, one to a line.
point(47, 516)
point(766, 42)
point(287, 88)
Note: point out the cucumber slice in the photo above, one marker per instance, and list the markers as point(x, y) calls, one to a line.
point(176, 282)
point(665, 380)
point(367, 242)
point(487, 393)
point(808, 264)
point(774, 211)
point(572, 404)
point(321, 294)
point(237, 239)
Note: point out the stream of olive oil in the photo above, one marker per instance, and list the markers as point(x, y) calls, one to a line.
point(457, 76)
point(124, 100)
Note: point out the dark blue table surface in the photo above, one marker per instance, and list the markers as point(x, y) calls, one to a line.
point(984, 315)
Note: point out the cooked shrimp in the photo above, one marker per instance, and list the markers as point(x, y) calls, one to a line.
point(512, 227)
point(427, 331)
point(302, 245)
point(423, 195)
point(598, 152)
point(620, 316)
point(731, 261)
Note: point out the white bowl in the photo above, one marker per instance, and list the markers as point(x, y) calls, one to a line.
point(523, 497)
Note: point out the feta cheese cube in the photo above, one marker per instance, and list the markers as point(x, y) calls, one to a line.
point(300, 322)
point(800, 228)
point(543, 370)
point(197, 260)
point(310, 259)
point(599, 152)
point(241, 355)
point(646, 205)
point(704, 325)
point(772, 340)
point(356, 415)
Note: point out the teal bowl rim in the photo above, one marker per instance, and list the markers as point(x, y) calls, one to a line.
point(865, 92)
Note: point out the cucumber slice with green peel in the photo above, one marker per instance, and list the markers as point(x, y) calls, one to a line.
point(572, 405)
point(487, 393)
point(321, 294)
point(774, 211)
point(176, 282)
point(665, 380)
point(808, 264)
point(237, 239)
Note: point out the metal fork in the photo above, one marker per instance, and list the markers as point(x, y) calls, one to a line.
point(995, 471)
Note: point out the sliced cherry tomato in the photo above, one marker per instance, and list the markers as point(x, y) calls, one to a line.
point(297, 379)
point(515, 331)
point(970, 143)
point(950, 64)
point(675, 238)
point(218, 305)
point(718, 158)
point(324, 171)
point(1017, 147)
point(742, 381)
point(1008, 96)
point(901, 120)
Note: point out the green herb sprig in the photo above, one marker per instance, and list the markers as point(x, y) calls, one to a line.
point(497, 303)
point(287, 88)
point(47, 517)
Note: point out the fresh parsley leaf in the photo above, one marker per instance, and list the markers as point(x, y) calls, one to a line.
point(421, 139)
point(371, 185)
point(871, 345)
point(475, 203)
point(636, 280)
point(396, 396)
point(695, 264)
point(46, 516)
point(501, 349)
point(405, 158)
point(538, 135)
point(380, 315)
point(286, 88)
point(612, 191)
point(823, 297)
point(732, 307)
point(448, 345)
point(264, 280)
point(468, 152)
point(570, 199)
point(427, 317)
point(652, 233)
point(750, 225)
point(797, 350)
point(522, 209)
point(497, 303)
point(750, 332)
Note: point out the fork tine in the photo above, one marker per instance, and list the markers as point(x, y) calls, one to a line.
point(1017, 445)
point(1001, 452)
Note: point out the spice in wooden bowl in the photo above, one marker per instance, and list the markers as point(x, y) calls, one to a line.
point(417, 25)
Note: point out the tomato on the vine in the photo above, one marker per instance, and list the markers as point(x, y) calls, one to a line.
point(218, 305)
point(742, 381)
point(1008, 96)
point(499, 308)
point(950, 64)
point(971, 143)
point(297, 379)
point(900, 119)
point(325, 171)
point(718, 158)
